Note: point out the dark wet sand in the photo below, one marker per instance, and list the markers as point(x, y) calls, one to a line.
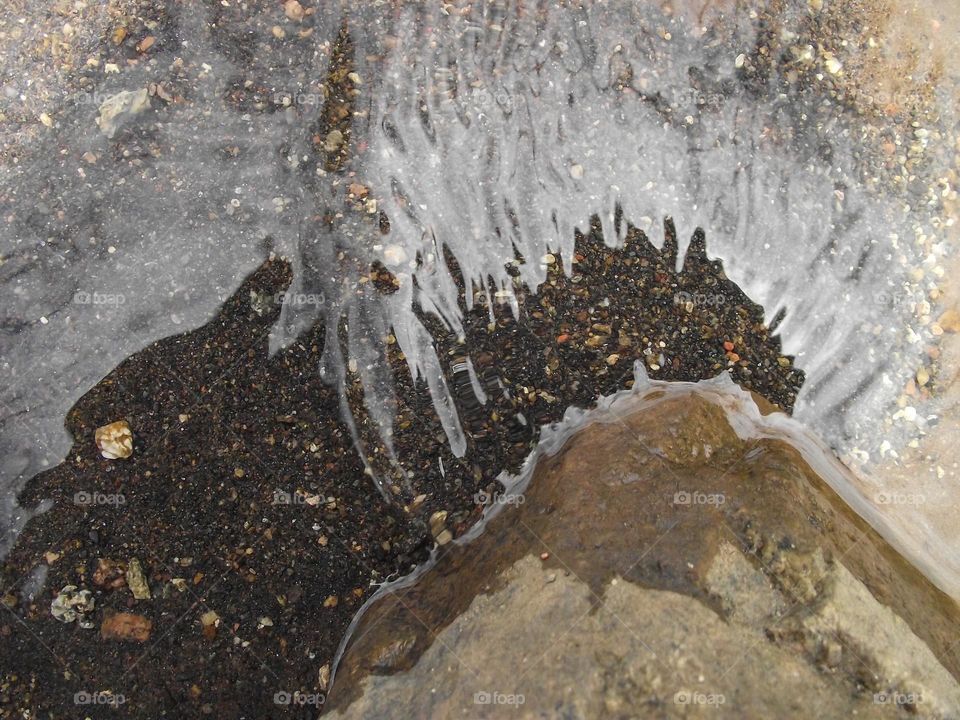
point(220, 428)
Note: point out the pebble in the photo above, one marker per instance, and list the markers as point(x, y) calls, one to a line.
point(126, 626)
point(115, 440)
point(119, 108)
point(293, 10)
point(209, 622)
point(438, 522)
point(110, 574)
point(333, 141)
point(137, 580)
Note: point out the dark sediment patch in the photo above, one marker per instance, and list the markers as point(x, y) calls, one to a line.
point(245, 497)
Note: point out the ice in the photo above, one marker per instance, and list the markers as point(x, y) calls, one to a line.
point(494, 131)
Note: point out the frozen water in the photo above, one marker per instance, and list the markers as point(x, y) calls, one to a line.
point(490, 128)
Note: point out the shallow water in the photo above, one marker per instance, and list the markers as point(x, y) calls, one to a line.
point(492, 128)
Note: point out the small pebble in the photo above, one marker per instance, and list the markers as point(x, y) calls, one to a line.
point(115, 440)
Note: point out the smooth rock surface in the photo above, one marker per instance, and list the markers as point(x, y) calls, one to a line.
point(662, 564)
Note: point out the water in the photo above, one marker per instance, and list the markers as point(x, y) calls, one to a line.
point(493, 129)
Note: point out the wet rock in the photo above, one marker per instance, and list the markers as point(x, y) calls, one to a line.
point(120, 109)
point(126, 626)
point(115, 441)
point(663, 564)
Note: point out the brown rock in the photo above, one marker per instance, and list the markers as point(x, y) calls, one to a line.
point(126, 626)
point(293, 10)
point(704, 571)
point(110, 574)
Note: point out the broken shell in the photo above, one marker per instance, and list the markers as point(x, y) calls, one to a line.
point(115, 440)
point(71, 604)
